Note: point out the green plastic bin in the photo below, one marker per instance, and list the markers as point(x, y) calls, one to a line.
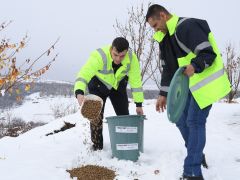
point(126, 136)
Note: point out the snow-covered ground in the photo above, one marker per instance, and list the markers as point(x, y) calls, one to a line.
point(34, 156)
point(36, 108)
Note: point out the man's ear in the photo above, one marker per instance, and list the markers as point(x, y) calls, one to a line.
point(163, 15)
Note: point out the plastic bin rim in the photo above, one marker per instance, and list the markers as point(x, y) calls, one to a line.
point(124, 116)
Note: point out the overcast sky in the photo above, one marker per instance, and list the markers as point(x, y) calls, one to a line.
point(86, 25)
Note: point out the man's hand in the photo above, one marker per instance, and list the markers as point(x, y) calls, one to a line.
point(189, 70)
point(139, 110)
point(161, 103)
point(80, 99)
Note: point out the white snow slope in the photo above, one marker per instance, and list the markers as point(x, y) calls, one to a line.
point(34, 156)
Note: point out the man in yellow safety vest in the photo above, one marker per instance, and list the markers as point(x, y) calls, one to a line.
point(189, 42)
point(106, 74)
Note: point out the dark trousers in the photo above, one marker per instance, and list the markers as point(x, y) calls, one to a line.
point(119, 100)
point(192, 127)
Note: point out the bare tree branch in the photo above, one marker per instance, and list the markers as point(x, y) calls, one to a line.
point(12, 74)
point(140, 38)
point(233, 70)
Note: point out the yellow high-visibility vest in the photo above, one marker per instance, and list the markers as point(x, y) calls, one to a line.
point(99, 64)
point(210, 85)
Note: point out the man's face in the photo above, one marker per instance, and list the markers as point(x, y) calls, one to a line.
point(117, 56)
point(158, 23)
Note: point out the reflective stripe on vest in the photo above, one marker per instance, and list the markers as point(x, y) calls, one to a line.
point(128, 65)
point(105, 83)
point(164, 88)
point(212, 77)
point(182, 46)
point(162, 62)
point(137, 89)
point(207, 80)
point(105, 71)
point(104, 58)
point(130, 58)
point(82, 80)
point(201, 46)
point(180, 21)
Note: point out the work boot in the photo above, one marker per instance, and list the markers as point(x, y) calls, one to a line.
point(184, 177)
point(204, 162)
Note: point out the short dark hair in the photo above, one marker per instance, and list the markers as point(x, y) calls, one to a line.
point(154, 10)
point(120, 44)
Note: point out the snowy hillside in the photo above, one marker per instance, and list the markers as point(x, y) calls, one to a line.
point(34, 156)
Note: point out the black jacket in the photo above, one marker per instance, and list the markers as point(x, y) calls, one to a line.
point(192, 33)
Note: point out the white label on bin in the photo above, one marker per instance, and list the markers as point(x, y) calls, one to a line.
point(125, 129)
point(132, 146)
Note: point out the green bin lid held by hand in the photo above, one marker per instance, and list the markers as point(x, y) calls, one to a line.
point(177, 95)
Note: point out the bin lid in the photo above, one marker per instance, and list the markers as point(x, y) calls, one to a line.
point(177, 95)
